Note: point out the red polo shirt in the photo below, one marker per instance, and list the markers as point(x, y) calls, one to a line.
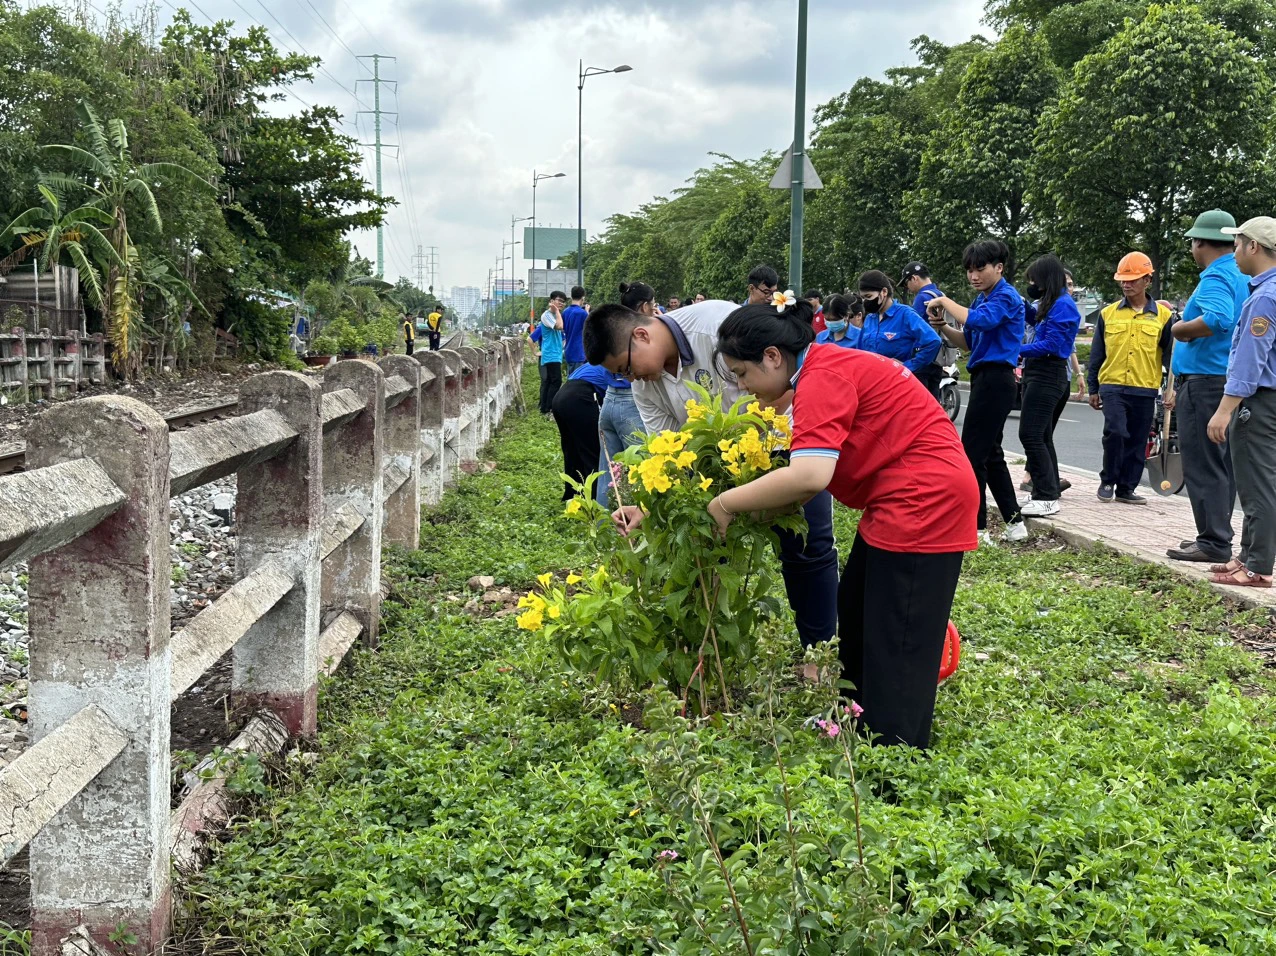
point(899, 459)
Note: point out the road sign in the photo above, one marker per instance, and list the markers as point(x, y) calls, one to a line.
point(549, 243)
point(783, 178)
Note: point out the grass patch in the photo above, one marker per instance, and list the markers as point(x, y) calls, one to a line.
point(1103, 780)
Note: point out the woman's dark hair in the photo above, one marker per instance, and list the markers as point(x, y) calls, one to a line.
point(874, 280)
point(751, 329)
point(607, 331)
point(764, 275)
point(634, 294)
point(983, 252)
point(1048, 273)
point(843, 306)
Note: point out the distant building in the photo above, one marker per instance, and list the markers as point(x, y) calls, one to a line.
point(466, 300)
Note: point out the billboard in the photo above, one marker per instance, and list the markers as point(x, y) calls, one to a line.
point(544, 281)
point(549, 243)
point(504, 288)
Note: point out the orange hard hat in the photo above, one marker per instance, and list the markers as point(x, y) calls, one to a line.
point(1133, 265)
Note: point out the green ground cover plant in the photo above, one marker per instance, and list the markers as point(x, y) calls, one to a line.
point(1103, 778)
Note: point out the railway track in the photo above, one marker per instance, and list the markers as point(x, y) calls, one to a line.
point(13, 455)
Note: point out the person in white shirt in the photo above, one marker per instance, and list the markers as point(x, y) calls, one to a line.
point(661, 355)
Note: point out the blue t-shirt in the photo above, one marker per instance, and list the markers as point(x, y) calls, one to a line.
point(994, 326)
point(925, 294)
point(574, 317)
point(597, 376)
point(900, 334)
point(1217, 300)
point(1252, 363)
point(851, 340)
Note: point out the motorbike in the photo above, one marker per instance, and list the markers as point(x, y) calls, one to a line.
point(949, 393)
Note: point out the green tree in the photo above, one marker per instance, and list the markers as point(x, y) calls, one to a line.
point(1170, 117)
point(973, 178)
point(75, 233)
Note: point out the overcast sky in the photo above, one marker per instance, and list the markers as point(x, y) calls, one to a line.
point(487, 93)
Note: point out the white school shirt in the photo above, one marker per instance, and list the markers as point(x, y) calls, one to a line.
point(663, 403)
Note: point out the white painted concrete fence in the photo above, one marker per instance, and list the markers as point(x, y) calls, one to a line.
point(326, 474)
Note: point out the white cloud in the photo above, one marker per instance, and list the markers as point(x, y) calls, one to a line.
point(487, 93)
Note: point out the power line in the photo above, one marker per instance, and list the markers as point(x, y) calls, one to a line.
point(319, 66)
point(333, 33)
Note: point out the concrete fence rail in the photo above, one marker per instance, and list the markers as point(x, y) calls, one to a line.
point(327, 472)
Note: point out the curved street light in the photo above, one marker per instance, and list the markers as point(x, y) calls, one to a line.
point(585, 73)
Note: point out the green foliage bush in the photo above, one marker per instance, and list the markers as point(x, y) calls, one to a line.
point(1103, 782)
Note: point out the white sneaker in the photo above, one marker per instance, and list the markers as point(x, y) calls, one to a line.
point(986, 540)
point(1039, 509)
point(1015, 532)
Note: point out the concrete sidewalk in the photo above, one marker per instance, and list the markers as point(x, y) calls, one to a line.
point(1141, 531)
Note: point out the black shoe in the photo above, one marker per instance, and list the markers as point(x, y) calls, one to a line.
point(1025, 486)
point(1192, 552)
point(1064, 484)
point(1106, 493)
point(1130, 498)
point(1187, 543)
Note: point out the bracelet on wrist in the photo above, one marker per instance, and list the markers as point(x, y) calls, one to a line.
point(722, 505)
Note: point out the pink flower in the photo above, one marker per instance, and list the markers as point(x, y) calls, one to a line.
point(832, 730)
point(855, 710)
point(617, 471)
point(667, 856)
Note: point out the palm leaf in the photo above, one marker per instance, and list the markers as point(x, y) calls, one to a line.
point(142, 193)
point(99, 246)
point(51, 198)
point(93, 129)
point(90, 278)
point(87, 214)
point(119, 135)
point(103, 170)
point(29, 221)
point(176, 173)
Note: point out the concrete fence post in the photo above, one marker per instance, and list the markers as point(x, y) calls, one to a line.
point(451, 415)
point(280, 516)
point(23, 393)
point(402, 431)
point(432, 440)
point(99, 622)
point(470, 407)
point(352, 462)
point(491, 378)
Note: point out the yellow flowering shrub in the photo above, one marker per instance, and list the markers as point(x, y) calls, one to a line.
point(674, 602)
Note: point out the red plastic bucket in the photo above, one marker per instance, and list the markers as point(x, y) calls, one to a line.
point(952, 653)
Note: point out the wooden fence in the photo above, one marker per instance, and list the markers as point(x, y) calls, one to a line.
point(327, 472)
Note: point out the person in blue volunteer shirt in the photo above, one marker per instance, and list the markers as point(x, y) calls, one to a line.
point(1203, 339)
point(1246, 417)
point(1056, 319)
point(916, 281)
point(575, 408)
point(843, 319)
point(992, 331)
point(574, 317)
point(893, 330)
point(548, 337)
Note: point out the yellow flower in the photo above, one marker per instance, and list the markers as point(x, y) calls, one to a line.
point(705, 483)
point(573, 507)
point(531, 620)
point(633, 475)
point(545, 578)
point(554, 611)
point(766, 414)
point(574, 579)
point(695, 411)
point(685, 459)
point(725, 444)
point(534, 601)
point(635, 811)
point(782, 424)
point(598, 577)
point(734, 469)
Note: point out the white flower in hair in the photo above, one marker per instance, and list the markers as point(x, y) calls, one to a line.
point(782, 300)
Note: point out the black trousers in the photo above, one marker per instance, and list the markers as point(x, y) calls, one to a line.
point(435, 340)
point(407, 346)
point(551, 380)
point(1252, 439)
point(892, 611)
point(575, 408)
point(1127, 422)
point(992, 395)
point(930, 377)
point(1207, 467)
point(1045, 383)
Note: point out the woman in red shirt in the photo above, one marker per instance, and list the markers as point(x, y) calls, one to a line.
point(869, 432)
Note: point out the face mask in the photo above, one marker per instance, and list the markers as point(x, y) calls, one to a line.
point(1035, 291)
point(835, 326)
point(870, 305)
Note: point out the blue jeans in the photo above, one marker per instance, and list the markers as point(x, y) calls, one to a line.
point(1127, 420)
point(618, 421)
point(811, 573)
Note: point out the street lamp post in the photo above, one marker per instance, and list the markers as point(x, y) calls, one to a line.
point(585, 73)
point(510, 259)
point(513, 222)
point(797, 183)
point(536, 178)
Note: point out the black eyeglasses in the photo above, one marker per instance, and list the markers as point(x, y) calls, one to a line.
point(627, 371)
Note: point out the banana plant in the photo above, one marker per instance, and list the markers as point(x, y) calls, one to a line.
point(75, 232)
